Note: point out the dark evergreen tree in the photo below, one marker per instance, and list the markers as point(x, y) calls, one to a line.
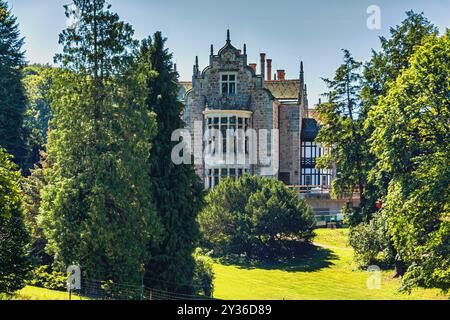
point(387, 64)
point(14, 264)
point(176, 189)
point(12, 101)
point(96, 203)
point(260, 218)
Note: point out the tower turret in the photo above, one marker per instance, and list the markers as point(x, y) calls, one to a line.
point(196, 68)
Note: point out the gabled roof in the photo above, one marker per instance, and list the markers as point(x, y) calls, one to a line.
point(280, 89)
point(284, 89)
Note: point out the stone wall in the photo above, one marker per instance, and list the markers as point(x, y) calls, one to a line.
point(290, 142)
point(206, 95)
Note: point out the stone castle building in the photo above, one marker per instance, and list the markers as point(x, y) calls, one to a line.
point(231, 94)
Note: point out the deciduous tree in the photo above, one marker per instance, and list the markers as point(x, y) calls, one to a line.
point(411, 139)
point(14, 264)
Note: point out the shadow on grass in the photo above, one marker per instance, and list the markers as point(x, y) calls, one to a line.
point(310, 259)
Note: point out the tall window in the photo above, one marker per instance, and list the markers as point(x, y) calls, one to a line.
point(233, 141)
point(214, 176)
point(228, 84)
point(238, 125)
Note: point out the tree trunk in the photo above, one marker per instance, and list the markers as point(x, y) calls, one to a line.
point(400, 266)
point(400, 269)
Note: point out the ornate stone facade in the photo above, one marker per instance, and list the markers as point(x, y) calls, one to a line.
point(230, 94)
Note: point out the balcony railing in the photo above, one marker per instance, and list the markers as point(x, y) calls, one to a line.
point(312, 188)
point(322, 189)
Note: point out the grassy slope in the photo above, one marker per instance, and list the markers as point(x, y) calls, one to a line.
point(33, 293)
point(327, 273)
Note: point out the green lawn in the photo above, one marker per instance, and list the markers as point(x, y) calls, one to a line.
point(325, 273)
point(33, 293)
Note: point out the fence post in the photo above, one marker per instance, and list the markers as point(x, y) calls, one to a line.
point(142, 290)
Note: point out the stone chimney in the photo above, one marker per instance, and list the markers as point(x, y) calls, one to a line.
point(263, 66)
point(253, 66)
point(281, 74)
point(269, 69)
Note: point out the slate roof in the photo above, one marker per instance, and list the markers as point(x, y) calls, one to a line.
point(310, 129)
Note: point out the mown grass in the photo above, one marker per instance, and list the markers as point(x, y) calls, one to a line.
point(323, 273)
point(34, 293)
point(326, 273)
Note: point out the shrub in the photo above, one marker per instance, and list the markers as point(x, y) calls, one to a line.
point(203, 275)
point(257, 217)
point(43, 278)
point(371, 243)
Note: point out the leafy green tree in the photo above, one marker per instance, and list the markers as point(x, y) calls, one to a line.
point(372, 179)
point(379, 74)
point(411, 138)
point(255, 216)
point(37, 80)
point(383, 69)
point(14, 265)
point(32, 187)
point(387, 64)
point(96, 203)
point(12, 102)
point(176, 189)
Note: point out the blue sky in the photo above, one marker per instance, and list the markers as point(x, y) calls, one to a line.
point(287, 30)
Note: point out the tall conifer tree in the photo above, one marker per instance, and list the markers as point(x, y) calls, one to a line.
point(97, 203)
point(12, 101)
point(177, 191)
point(342, 133)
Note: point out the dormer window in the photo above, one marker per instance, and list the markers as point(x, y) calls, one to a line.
point(228, 84)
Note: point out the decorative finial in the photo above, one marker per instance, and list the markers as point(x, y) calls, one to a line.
point(228, 36)
point(212, 50)
point(196, 68)
point(245, 49)
point(302, 76)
